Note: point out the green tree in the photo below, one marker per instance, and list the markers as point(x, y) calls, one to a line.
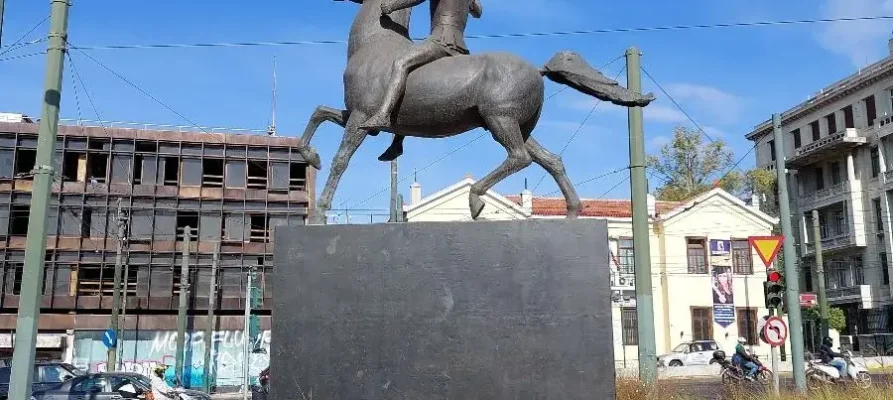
point(836, 317)
point(692, 166)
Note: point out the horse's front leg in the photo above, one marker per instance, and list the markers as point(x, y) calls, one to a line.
point(353, 138)
point(320, 115)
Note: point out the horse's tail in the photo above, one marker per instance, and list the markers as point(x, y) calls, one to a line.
point(569, 68)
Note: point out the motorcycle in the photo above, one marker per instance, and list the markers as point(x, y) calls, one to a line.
point(823, 373)
point(731, 373)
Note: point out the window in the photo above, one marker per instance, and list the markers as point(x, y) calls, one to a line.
point(171, 175)
point(816, 133)
point(697, 255)
point(832, 123)
point(742, 260)
point(187, 219)
point(259, 228)
point(875, 162)
point(298, 176)
point(747, 325)
point(257, 175)
point(212, 172)
point(878, 219)
point(819, 178)
point(858, 271)
point(884, 271)
point(18, 220)
point(772, 149)
point(848, 120)
point(840, 224)
point(797, 139)
point(630, 323)
point(835, 173)
point(13, 275)
point(807, 277)
point(701, 323)
point(626, 256)
point(870, 110)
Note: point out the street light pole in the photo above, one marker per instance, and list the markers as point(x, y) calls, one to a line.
point(35, 243)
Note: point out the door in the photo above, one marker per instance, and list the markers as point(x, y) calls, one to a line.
point(700, 354)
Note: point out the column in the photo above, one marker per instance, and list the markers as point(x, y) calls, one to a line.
point(850, 167)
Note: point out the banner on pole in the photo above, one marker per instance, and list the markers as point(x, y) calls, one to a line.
point(722, 285)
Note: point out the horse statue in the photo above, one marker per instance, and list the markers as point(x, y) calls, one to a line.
point(496, 91)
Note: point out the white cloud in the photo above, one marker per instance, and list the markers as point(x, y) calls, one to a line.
point(863, 42)
point(723, 106)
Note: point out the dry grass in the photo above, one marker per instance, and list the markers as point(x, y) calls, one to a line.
point(632, 389)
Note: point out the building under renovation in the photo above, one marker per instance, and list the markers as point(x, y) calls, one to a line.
point(232, 190)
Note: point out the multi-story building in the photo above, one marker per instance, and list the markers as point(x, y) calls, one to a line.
point(705, 283)
point(838, 152)
point(232, 190)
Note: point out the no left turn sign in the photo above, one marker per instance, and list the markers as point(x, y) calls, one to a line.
point(775, 331)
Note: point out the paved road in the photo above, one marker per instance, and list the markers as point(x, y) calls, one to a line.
point(712, 388)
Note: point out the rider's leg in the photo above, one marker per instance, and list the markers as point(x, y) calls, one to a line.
point(752, 368)
point(417, 55)
point(840, 365)
point(394, 150)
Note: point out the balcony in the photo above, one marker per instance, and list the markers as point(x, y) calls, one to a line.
point(836, 243)
point(835, 145)
point(884, 127)
point(829, 195)
point(866, 295)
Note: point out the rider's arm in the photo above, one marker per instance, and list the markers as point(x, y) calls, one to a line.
point(476, 9)
point(389, 6)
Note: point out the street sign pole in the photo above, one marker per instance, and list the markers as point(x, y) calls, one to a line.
point(767, 248)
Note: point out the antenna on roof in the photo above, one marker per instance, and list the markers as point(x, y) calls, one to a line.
point(525, 183)
point(271, 130)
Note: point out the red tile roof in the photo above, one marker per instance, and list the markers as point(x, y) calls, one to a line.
point(555, 206)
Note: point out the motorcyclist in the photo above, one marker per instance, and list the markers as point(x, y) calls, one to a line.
point(744, 360)
point(831, 357)
point(160, 388)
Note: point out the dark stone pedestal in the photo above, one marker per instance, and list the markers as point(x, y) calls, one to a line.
point(423, 311)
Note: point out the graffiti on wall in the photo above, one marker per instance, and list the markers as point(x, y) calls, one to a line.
point(146, 349)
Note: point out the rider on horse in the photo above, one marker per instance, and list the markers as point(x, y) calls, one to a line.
point(447, 38)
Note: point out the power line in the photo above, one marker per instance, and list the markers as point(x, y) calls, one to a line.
point(13, 45)
point(21, 56)
point(495, 36)
point(592, 179)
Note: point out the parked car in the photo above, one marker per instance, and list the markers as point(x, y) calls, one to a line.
point(699, 352)
point(108, 386)
point(46, 374)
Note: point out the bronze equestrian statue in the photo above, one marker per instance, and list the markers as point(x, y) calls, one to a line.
point(454, 94)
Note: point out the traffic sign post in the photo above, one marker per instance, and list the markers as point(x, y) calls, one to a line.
point(767, 248)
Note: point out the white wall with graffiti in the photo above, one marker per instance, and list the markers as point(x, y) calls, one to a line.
point(145, 349)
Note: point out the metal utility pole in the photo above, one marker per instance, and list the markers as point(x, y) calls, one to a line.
point(393, 191)
point(820, 272)
point(116, 296)
point(209, 326)
point(123, 311)
point(641, 247)
point(35, 243)
point(792, 283)
point(1, 22)
point(245, 339)
point(184, 303)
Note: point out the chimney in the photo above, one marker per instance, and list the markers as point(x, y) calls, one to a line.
point(755, 201)
point(527, 201)
point(415, 194)
point(652, 206)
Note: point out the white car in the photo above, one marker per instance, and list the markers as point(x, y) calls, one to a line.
point(698, 352)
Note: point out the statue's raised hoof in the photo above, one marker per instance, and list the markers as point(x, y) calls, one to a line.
point(311, 157)
point(476, 205)
point(391, 154)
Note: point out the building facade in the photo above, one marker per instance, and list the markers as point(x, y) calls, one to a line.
point(232, 190)
point(705, 283)
point(838, 152)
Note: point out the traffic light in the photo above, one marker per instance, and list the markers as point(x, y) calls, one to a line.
point(774, 289)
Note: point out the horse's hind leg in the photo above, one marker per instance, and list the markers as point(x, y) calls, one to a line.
point(555, 167)
point(507, 132)
point(353, 138)
point(320, 115)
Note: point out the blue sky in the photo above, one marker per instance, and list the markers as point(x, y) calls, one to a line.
point(727, 79)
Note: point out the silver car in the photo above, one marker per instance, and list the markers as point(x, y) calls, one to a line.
point(108, 386)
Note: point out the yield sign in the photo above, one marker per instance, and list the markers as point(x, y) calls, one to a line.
point(767, 247)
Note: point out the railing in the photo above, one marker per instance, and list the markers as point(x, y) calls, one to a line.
point(148, 126)
point(884, 126)
point(823, 194)
point(833, 242)
point(820, 143)
point(849, 291)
